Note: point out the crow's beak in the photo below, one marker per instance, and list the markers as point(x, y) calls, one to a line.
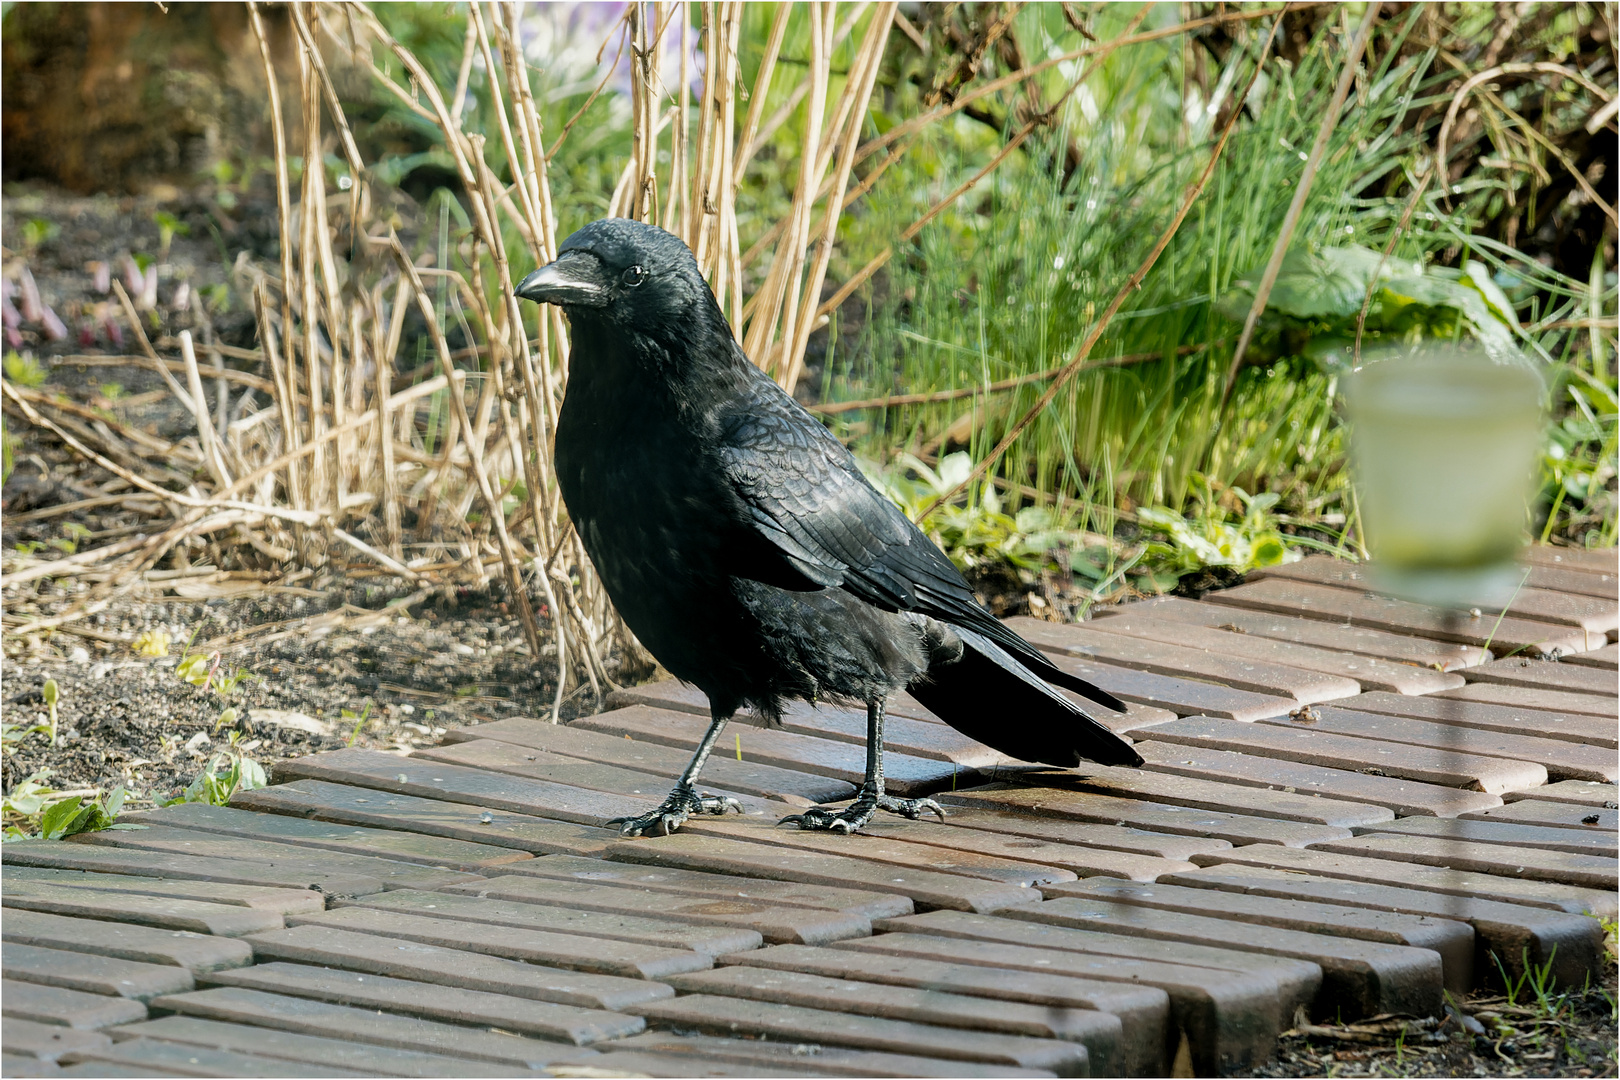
point(574, 280)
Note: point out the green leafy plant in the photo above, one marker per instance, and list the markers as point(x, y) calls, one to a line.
point(1214, 538)
point(169, 227)
point(24, 370)
point(37, 231)
point(74, 815)
point(1317, 301)
point(227, 772)
point(981, 531)
point(22, 806)
point(112, 391)
point(204, 669)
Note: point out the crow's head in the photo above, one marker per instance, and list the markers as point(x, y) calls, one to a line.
point(621, 271)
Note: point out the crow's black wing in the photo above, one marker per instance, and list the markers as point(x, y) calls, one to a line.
point(805, 495)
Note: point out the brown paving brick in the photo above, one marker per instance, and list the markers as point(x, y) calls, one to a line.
point(346, 1052)
point(1087, 834)
point(194, 952)
point(1562, 760)
point(1588, 613)
point(524, 1016)
point(926, 888)
point(722, 886)
point(1568, 727)
point(247, 896)
point(1330, 634)
point(1142, 1011)
point(1533, 864)
point(1184, 697)
point(1359, 978)
point(1451, 940)
point(198, 916)
point(670, 934)
point(772, 921)
point(409, 813)
point(381, 843)
point(305, 1016)
point(1570, 944)
point(1584, 583)
point(455, 783)
point(1079, 859)
point(1591, 560)
point(156, 839)
point(1402, 617)
point(1407, 874)
point(1606, 658)
point(1297, 981)
point(1398, 795)
point(1548, 675)
point(1099, 1032)
point(92, 973)
point(1578, 792)
point(1591, 841)
point(495, 756)
point(46, 1041)
point(1231, 1017)
point(68, 1008)
point(275, 873)
point(375, 955)
point(1529, 697)
point(1549, 814)
point(716, 1013)
point(1090, 806)
point(884, 846)
point(783, 749)
point(749, 777)
point(1147, 654)
point(156, 1057)
point(1368, 672)
point(664, 1052)
point(666, 1063)
point(1202, 794)
point(1309, 745)
point(572, 951)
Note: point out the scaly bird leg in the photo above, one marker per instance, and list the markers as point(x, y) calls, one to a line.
point(684, 800)
point(870, 798)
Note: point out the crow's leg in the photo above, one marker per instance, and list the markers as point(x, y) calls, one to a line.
point(870, 798)
point(684, 800)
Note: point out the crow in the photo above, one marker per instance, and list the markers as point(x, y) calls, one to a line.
point(743, 546)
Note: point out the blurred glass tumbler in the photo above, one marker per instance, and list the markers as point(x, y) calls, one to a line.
point(1444, 447)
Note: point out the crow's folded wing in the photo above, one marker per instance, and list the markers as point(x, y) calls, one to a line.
point(805, 495)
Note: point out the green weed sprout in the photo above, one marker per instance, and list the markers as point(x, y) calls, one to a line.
point(359, 721)
point(52, 694)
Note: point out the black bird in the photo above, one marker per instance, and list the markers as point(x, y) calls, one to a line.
point(743, 546)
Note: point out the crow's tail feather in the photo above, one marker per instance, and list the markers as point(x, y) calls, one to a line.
point(989, 696)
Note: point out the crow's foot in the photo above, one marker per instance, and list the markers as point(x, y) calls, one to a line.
point(682, 803)
point(911, 808)
point(854, 816)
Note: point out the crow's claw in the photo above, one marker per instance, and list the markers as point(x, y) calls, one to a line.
point(843, 821)
point(855, 816)
point(682, 803)
point(911, 808)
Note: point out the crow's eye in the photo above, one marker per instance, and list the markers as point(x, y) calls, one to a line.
point(634, 276)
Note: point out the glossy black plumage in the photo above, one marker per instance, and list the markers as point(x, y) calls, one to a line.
point(738, 538)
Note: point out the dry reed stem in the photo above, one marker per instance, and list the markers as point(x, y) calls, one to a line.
point(1302, 188)
point(858, 93)
point(1077, 361)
